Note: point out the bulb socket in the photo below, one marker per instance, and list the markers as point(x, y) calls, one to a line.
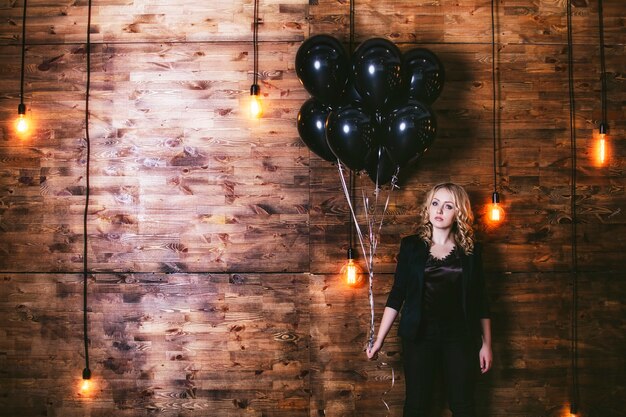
point(495, 197)
point(350, 253)
point(254, 90)
point(21, 108)
point(86, 373)
point(604, 128)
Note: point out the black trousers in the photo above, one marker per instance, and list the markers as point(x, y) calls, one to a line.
point(441, 347)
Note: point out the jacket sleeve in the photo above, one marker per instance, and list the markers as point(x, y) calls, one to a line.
point(398, 290)
point(482, 300)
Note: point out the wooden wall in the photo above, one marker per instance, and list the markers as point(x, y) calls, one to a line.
point(214, 242)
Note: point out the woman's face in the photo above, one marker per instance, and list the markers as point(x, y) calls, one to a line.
point(442, 210)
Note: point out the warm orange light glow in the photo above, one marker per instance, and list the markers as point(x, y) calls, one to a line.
point(496, 213)
point(601, 151)
point(256, 110)
point(351, 273)
point(86, 387)
point(21, 124)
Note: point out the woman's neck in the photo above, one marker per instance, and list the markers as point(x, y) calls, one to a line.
point(442, 237)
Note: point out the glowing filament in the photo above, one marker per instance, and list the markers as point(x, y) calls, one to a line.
point(21, 125)
point(255, 107)
point(602, 148)
point(351, 272)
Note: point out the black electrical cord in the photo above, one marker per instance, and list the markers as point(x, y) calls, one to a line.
point(493, 92)
point(351, 178)
point(602, 61)
point(86, 371)
point(351, 25)
point(23, 59)
point(255, 42)
point(574, 313)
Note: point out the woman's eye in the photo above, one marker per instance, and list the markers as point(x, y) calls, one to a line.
point(449, 207)
point(434, 203)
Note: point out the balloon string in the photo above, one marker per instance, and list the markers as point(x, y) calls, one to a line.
point(393, 383)
point(372, 249)
point(349, 200)
point(370, 260)
point(373, 242)
point(393, 186)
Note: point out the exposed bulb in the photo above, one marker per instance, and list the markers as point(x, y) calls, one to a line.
point(601, 153)
point(351, 271)
point(256, 110)
point(496, 212)
point(602, 149)
point(86, 384)
point(21, 124)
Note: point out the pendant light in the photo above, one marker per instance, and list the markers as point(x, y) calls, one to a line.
point(351, 272)
point(21, 123)
point(86, 386)
point(256, 109)
point(495, 212)
point(601, 145)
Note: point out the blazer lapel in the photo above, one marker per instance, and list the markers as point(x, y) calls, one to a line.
point(467, 264)
point(419, 263)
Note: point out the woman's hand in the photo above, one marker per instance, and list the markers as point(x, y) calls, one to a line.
point(372, 353)
point(486, 358)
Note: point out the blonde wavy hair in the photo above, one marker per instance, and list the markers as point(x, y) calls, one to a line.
point(462, 230)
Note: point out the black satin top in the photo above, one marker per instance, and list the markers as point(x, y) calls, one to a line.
point(443, 288)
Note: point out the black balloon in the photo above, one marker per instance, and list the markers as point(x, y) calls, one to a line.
point(380, 166)
point(409, 131)
point(351, 95)
point(423, 74)
point(350, 135)
point(377, 73)
point(371, 113)
point(312, 128)
point(322, 65)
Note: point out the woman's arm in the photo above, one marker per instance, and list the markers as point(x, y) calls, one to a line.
point(485, 355)
point(389, 315)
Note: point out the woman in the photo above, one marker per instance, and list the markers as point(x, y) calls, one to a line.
point(439, 288)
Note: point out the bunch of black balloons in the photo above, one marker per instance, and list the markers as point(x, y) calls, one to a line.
point(371, 111)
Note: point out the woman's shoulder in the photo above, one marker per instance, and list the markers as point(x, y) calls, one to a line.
point(413, 240)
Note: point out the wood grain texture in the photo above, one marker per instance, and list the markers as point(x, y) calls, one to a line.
point(275, 344)
point(214, 242)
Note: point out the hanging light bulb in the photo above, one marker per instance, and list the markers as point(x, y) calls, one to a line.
point(601, 145)
point(496, 212)
point(351, 271)
point(86, 384)
point(256, 110)
point(601, 148)
point(21, 124)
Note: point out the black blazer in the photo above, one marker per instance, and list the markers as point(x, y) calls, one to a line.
point(408, 287)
